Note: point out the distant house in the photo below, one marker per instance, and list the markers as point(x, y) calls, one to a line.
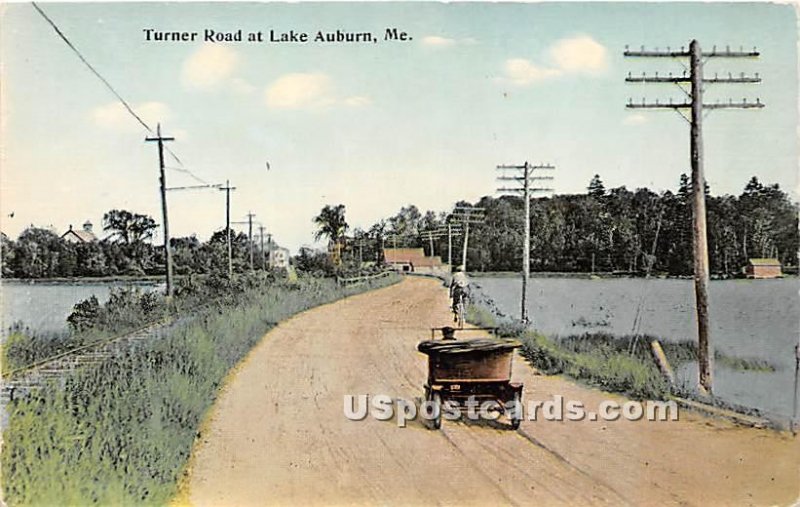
point(403, 259)
point(279, 258)
point(763, 268)
point(84, 235)
point(412, 260)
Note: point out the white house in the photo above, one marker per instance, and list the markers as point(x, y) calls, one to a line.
point(279, 258)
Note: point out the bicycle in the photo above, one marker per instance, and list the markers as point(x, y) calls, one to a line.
point(460, 309)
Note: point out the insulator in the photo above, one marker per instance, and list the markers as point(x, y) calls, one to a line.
point(741, 75)
point(714, 49)
point(670, 100)
point(728, 49)
point(741, 49)
point(669, 50)
point(642, 49)
point(626, 47)
point(681, 49)
point(756, 75)
point(758, 100)
point(656, 101)
point(715, 75)
point(730, 76)
point(656, 74)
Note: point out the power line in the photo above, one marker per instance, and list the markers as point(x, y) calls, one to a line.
point(696, 106)
point(525, 175)
point(108, 85)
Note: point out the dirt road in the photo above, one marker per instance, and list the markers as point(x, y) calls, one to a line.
point(278, 436)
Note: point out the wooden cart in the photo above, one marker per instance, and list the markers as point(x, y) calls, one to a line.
point(479, 368)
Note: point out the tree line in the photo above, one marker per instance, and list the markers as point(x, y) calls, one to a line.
point(124, 251)
point(602, 230)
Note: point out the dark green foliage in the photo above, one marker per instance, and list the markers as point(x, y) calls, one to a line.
point(613, 230)
point(85, 314)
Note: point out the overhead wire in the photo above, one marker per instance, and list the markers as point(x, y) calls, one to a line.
point(108, 85)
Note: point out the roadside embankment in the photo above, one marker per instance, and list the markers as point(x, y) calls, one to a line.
point(121, 433)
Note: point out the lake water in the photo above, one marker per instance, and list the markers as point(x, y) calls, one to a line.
point(749, 318)
point(45, 307)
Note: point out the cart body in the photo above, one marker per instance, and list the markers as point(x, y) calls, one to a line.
point(479, 369)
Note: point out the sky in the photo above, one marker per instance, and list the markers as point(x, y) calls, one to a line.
point(374, 126)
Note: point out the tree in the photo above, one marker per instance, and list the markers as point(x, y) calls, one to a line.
point(130, 228)
point(331, 224)
point(596, 187)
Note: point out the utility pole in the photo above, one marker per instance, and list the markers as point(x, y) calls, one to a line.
point(227, 188)
point(263, 254)
point(467, 215)
point(525, 176)
point(163, 180)
point(451, 229)
point(250, 216)
point(249, 223)
point(695, 105)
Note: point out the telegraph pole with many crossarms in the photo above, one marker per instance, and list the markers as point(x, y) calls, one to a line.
point(524, 177)
point(695, 105)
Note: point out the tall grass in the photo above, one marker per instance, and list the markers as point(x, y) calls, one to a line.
point(599, 365)
point(121, 433)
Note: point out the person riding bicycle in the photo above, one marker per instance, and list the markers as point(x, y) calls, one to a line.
point(459, 287)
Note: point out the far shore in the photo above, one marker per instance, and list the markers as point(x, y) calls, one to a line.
point(136, 279)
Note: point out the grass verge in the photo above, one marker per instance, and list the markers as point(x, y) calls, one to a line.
point(122, 433)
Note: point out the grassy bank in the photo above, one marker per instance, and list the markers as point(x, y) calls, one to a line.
point(613, 363)
point(122, 433)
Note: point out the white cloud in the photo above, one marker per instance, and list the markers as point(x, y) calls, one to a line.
point(579, 54)
point(635, 119)
point(520, 71)
point(357, 101)
point(576, 55)
point(436, 41)
point(114, 115)
point(210, 66)
point(308, 90)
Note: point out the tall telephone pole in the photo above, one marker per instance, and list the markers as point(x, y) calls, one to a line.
point(249, 223)
point(467, 215)
point(250, 216)
point(525, 174)
point(695, 105)
point(263, 253)
point(227, 188)
point(163, 181)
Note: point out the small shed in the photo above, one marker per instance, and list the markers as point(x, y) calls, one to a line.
point(763, 268)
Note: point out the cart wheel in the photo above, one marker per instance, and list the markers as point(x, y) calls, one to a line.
point(436, 423)
point(517, 418)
